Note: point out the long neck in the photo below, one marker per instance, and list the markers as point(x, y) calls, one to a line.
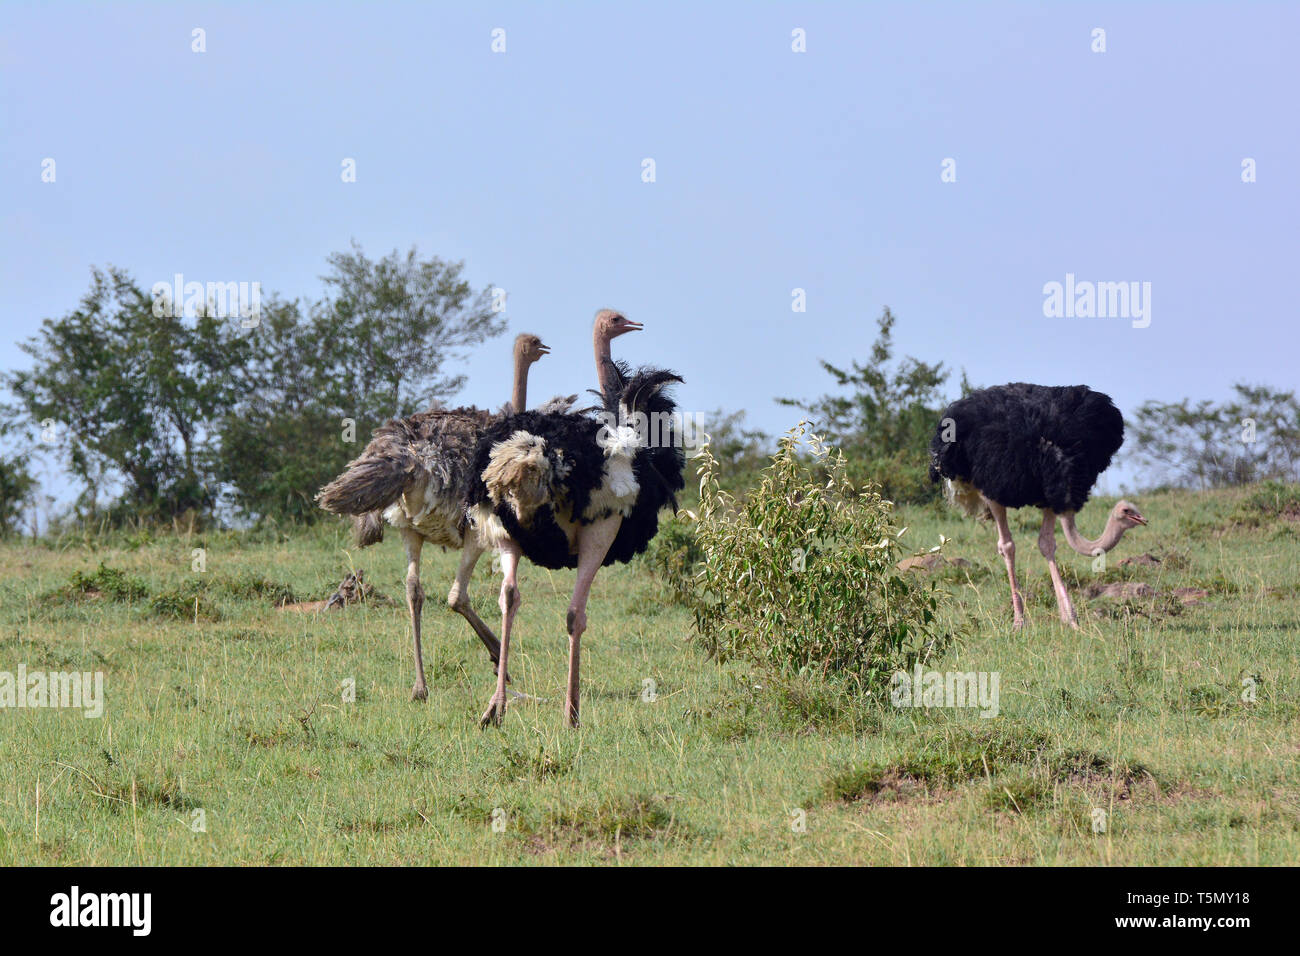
point(1109, 538)
point(601, 343)
point(519, 395)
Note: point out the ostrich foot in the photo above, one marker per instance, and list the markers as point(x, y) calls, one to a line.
point(1017, 611)
point(1066, 608)
point(419, 691)
point(495, 711)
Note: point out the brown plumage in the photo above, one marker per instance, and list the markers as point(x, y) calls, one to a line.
point(414, 475)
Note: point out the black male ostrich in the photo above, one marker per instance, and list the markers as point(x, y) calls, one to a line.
point(1021, 445)
point(569, 490)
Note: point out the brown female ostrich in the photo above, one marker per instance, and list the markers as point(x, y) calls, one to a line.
point(414, 473)
point(1020, 445)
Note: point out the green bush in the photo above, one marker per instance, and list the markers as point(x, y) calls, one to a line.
point(883, 416)
point(800, 577)
point(183, 604)
point(1269, 502)
point(673, 556)
point(253, 587)
point(112, 583)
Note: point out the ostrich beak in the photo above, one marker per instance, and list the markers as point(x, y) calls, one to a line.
point(1138, 518)
point(545, 350)
point(633, 326)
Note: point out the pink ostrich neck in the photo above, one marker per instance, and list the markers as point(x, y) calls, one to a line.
point(1109, 538)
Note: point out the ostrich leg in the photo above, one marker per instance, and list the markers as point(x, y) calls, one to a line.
point(1047, 545)
point(1007, 548)
point(458, 599)
point(593, 544)
point(509, 602)
point(415, 602)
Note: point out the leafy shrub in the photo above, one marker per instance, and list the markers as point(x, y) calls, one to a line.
point(1269, 502)
point(253, 587)
point(800, 577)
point(673, 556)
point(183, 605)
point(886, 417)
point(108, 582)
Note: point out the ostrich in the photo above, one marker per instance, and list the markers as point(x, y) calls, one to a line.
point(568, 490)
point(1021, 445)
point(414, 472)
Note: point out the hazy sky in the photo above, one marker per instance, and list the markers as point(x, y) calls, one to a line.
point(774, 170)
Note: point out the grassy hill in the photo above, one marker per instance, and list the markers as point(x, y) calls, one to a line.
point(216, 701)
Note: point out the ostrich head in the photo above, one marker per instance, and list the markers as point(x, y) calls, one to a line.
point(611, 324)
point(1122, 517)
point(529, 348)
point(1126, 515)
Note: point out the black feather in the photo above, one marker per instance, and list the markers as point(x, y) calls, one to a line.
point(572, 442)
point(1029, 445)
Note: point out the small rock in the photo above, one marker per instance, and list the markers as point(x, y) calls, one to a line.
point(1191, 595)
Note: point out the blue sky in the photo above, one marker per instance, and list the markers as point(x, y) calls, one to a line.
point(775, 170)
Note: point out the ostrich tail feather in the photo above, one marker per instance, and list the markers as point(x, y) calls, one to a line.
point(371, 483)
point(367, 529)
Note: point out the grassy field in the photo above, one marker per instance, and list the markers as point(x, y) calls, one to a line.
point(241, 715)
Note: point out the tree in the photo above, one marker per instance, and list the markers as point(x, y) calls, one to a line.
point(280, 440)
point(1204, 444)
point(158, 414)
point(885, 422)
point(388, 328)
point(17, 486)
point(130, 394)
point(375, 347)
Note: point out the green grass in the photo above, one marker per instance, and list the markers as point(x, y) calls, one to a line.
point(218, 702)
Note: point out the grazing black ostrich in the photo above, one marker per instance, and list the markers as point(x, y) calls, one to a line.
point(415, 472)
point(1021, 445)
point(571, 490)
